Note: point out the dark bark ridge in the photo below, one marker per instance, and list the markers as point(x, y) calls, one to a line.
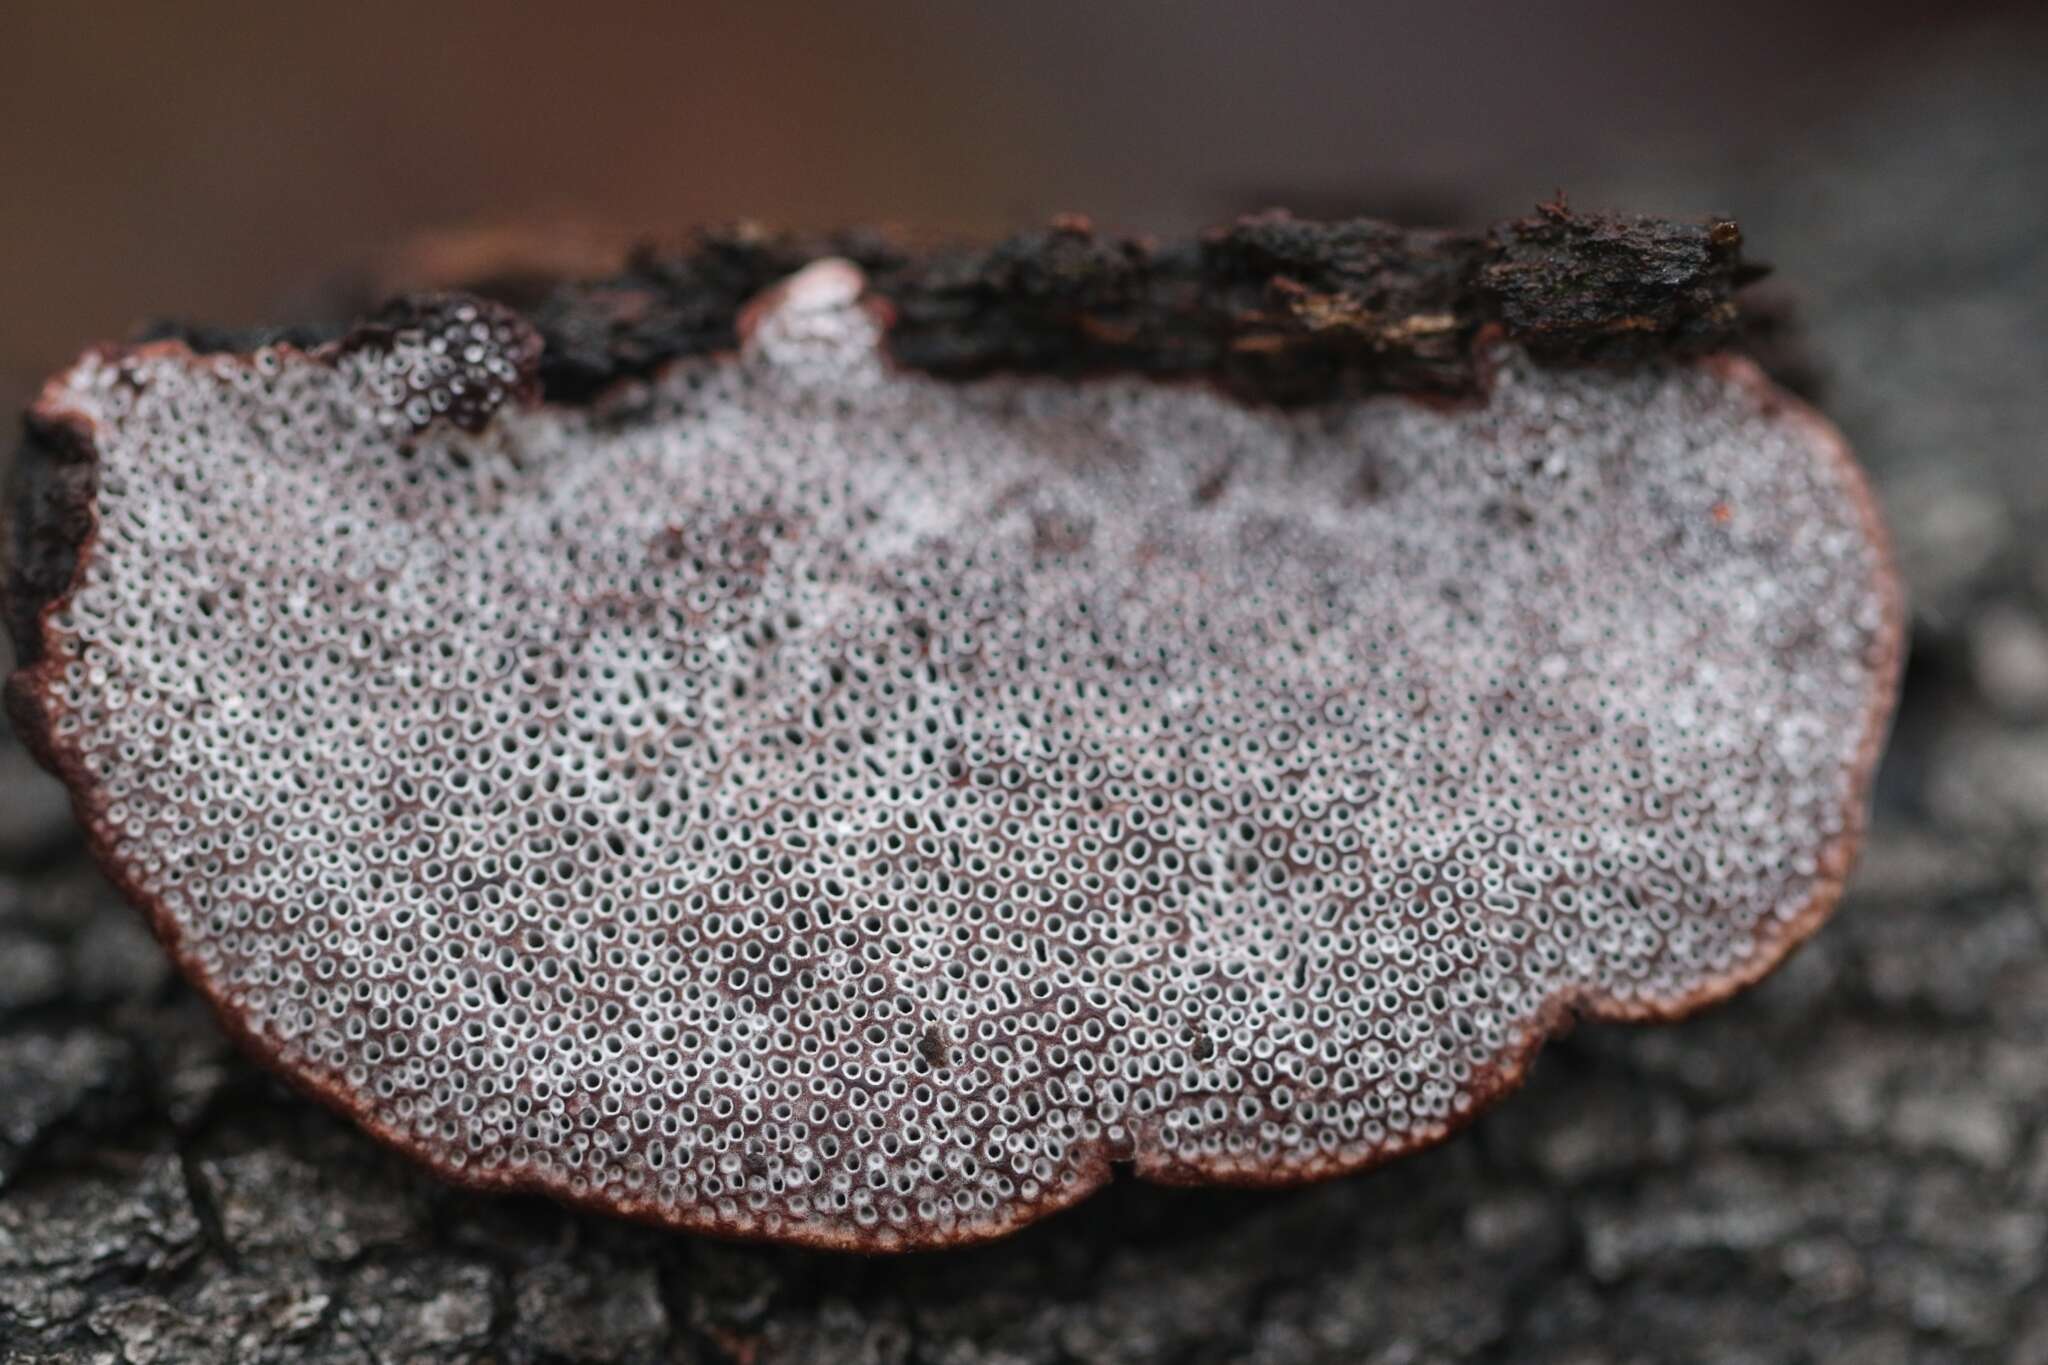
point(1274, 308)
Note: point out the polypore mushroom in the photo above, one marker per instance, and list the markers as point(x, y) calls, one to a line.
point(797, 796)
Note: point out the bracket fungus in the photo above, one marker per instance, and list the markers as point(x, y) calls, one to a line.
point(849, 780)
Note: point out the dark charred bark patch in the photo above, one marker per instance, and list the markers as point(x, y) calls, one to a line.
point(50, 507)
point(1275, 308)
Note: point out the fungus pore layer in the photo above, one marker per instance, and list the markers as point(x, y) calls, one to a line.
point(806, 799)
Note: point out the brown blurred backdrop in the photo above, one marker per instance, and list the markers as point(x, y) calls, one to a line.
point(214, 161)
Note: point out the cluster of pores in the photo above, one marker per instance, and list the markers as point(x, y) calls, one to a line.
point(824, 802)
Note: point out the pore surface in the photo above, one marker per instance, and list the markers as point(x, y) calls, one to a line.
point(807, 800)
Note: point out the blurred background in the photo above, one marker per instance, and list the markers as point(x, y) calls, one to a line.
point(1850, 1162)
point(211, 160)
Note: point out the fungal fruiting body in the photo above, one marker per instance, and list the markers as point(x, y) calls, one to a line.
point(804, 798)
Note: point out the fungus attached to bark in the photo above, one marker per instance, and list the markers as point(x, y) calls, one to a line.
point(794, 795)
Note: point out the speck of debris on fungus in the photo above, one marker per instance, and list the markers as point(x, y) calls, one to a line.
point(825, 802)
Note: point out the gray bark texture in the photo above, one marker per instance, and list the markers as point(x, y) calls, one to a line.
point(1849, 1162)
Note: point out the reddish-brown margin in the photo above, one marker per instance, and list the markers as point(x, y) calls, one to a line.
point(33, 708)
